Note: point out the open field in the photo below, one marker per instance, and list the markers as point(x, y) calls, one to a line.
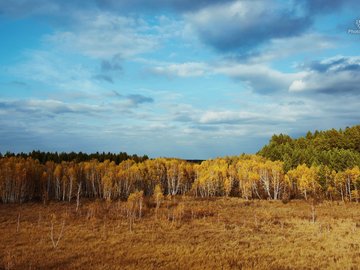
point(224, 233)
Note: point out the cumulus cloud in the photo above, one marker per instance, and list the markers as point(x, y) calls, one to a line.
point(281, 48)
point(337, 75)
point(241, 25)
point(227, 25)
point(47, 7)
point(252, 113)
point(35, 108)
point(293, 115)
point(155, 5)
point(52, 69)
point(324, 6)
point(260, 78)
point(252, 120)
point(227, 117)
point(104, 35)
point(188, 69)
point(29, 7)
point(48, 107)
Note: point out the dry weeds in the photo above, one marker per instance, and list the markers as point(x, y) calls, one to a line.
point(224, 233)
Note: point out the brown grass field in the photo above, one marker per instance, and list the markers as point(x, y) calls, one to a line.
point(185, 233)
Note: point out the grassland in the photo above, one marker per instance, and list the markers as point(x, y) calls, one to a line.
point(185, 233)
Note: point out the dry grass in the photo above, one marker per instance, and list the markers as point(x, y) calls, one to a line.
point(224, 233)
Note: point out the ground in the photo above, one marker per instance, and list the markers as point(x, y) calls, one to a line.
point(185, 233)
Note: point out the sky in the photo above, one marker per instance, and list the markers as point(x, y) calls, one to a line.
point(175, 78)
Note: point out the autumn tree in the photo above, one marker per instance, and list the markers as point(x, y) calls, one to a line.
point(305, 180)
point(134, 207)
point(158, 197)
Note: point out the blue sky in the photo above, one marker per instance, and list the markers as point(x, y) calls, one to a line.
point(179, 78)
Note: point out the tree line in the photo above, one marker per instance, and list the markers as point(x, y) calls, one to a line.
point(245, 176)
point(336, 149)
point(322, 164)
point(44, 157)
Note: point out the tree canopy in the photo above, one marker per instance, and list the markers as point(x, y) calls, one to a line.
point(337, 149)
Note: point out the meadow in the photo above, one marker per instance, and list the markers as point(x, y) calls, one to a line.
point(182, 233)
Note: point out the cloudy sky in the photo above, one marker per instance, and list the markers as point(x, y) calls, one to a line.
point(180, 78)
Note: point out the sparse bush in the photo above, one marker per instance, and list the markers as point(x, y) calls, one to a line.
point(55, 240)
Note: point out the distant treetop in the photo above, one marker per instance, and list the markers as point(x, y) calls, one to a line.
point(43, 157)
point(337, 149)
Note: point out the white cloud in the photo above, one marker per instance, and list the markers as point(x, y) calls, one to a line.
point(189, 69)
point(243, 25)
point(336, 75)
point(226, 117)
point(55, 71)
point(103, 35)
point(280, 48)
point(45, 107)
point(259, 77)
point(297, 86)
